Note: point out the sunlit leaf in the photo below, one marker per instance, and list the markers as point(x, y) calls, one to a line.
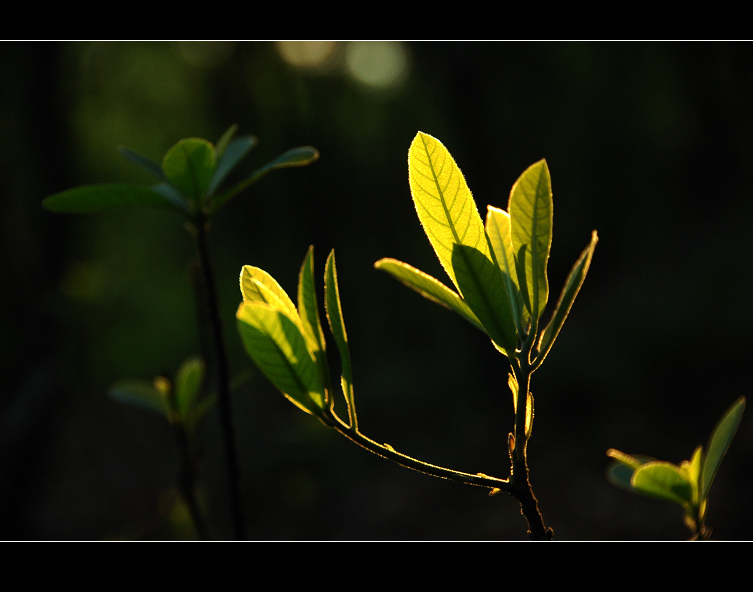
point(565, 302)
point(692, 471)
point(498, 230)
point(530, 211)
point(663, 480)
point(429, 287)
point(189, 166)
point(140, 393)
point(277, 346)
point(337, 326)
point(308, 309)
point(448, 214)
point(719, 443)
point(253, 280)
point(102, 198)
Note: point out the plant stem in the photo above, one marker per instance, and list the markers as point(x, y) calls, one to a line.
point(200, 229)
point(519, 477)
point(187, 482)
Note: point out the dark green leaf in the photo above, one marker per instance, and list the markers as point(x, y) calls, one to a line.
point(145, 163)
point(292, 158)
point(102, 198)
point(140, 393)
point(308, 309)
point(235, 152)
point(189, 166)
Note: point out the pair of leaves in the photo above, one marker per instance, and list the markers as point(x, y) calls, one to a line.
point(689, 483)
point(286, 342)
point(189, 176)
point(179, 402)
point(498, 268)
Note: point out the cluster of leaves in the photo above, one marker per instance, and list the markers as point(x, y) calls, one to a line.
point(190, 183)
point(287, 341)
point(190, 178)
point(499, 268)
point(179, 400)
point(499, 273)
point(689, 483)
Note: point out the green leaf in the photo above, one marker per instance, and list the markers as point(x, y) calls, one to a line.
point(429, 288)
point(258, 286)
point(145, 163)
point(188, 383)
point(620, 472)
point(663, 480)
point(719, 443)
point(308, 309)
point(275, 343)
point(102, 198)
point(337, 326)
point(565, 302)
point(530, 211)
point(292, 158)
point(189, 166)
point(498, 230)
point(140, 393)
point(448, 214)
point(224, 140)
point(234, 153)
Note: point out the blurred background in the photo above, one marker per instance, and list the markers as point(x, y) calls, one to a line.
point(651, 144)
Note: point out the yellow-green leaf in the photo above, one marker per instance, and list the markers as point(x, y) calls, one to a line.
point(276, 344)
point(337, 326)
point(498, 230)
point(531, 228)
point(449, 216)
point(258, 286)
point(429, 287)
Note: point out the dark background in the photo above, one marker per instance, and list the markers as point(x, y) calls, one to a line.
point(649, 143)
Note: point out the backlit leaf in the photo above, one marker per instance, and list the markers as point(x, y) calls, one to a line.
point(253, 282)
point(276, 345)
point(663, 480)
point(337, 326)
point(448, 214)
point(719, 443)
point(530, 211)
point(429, 287)
point(498, 230)
point(565, 302)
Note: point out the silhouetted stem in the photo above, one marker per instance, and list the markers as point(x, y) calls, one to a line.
point(386, 451)
point(519, 479)
point(217, 343)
